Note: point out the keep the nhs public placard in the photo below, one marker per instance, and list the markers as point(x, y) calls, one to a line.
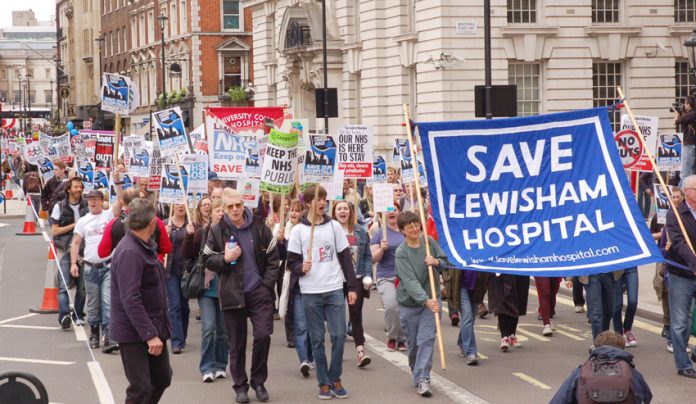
point(543, 195)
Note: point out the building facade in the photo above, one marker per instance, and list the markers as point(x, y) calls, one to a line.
point(27, 69)
point(430, 55)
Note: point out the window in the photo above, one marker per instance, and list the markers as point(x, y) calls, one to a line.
point(684, 10)
point(86, 41)
point(521, 11)
point(48, 73)
point(232, 71)
point(605, 78)
point(183, 19)
point(230, 15)
point(527, 78)
point(605, 11)
point(117, 42)
point(30, 72)
point(32, 96)
point(17, 97)
point(3, 74)
point(47, 96)
point(141, 31)
point(682, 80)
point(150, 27)
point(173, 21)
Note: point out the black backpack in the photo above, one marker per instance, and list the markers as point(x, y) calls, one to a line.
point(606, 380)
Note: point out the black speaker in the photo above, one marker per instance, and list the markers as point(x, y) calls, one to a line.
point(333, 102)
point(503, 103)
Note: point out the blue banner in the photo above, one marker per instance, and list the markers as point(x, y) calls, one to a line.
point(543, 195)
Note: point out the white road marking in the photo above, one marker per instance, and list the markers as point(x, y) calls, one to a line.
point(40, 361)
point(3, 225)
point(455, 392)
point(9, 320)
point(80, 334)
point(101, 384)
point(30, 327)
point(532, 381)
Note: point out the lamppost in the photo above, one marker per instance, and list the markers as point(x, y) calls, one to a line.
point(21, 102)
point(100, 116)
point(50, 83)
point(162, 21)
point(29, 76)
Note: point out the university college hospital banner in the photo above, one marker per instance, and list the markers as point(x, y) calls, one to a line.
point(543, 195)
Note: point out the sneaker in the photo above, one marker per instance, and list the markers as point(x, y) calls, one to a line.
point(482, 311)
point(391, 345)
point(631, 338)
point(424, 388)
point(65, 322)
point(363, 358)
point(670, 348)
point(325, 392)
point(547, 332)
point(579, 309)
point(304, 369)
point(471, 360)
point(79, 322)
point(514, 342)
point(626, 343)
point(665, 331)
point(454, 318)
point(401, 346)
point(220, 374)
point(338, 391)
point(208, 377)
point(198, 314)
point(504, 344)
point(311, 366)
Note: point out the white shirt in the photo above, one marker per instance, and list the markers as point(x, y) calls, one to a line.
point(329, 239)
point(91, 228)
point(55, 214)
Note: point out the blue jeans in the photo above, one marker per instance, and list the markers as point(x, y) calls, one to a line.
point(467, 310)
point(600, 301)
point(214, 346)
point(98, 288)
point(419, 324)
point(178, 311)
point(681, 292)
point(63, 298)
point(303, 346)
point(329, 307)
point(630, 279)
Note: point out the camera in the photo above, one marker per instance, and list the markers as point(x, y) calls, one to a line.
point(677, 107)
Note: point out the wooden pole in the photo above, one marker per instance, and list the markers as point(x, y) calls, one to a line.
point(117, 138)
point(183, 190)
point(282, 212)
point(654, 165)
point(425, 236)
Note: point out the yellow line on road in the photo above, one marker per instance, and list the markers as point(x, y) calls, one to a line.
point(40, 361)
point(480, 355)
point(532, 381)
point(531, 335)
point(31, 327)
point(569, 335)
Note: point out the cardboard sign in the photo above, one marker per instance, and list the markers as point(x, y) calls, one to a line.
point(320, 159)
point(155, 170)
point(402, 149)
point(101, 180)
point(104, 151)
point(197, 168)
point(170, 190)
point(171, 132)
point(334, 188)
point(228, 150)
point(137, 154)
point(383, 197)
point(379, 170)
point(32, 153)
point(46, 168)
point(648, 126)
point(85, 171)
point(250, 190)
point(355, 151)
point(669, 151)
point(661, 203)
point(118, 94)
point(280, 163)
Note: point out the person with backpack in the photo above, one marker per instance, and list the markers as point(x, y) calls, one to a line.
point(608, 376)
point(32, 189)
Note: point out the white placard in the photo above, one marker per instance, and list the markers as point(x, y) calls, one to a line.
point(383, 197)
point(249, 188)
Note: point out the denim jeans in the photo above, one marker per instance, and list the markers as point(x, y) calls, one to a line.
point(688, 160)
point(681, 293)
point(600, 301)
point(630, 279)
point(63, 297)
point(467, 310)
point(215, 349)
point(387, 291)
point(329, 307)
point(419, 324)
point(178, 311)
point(98, 288)
point(303, 347)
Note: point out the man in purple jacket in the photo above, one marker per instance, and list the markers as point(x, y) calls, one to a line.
point(139, 321)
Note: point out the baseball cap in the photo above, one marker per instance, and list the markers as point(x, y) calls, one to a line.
point(95, 194)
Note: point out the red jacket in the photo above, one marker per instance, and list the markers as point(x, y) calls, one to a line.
point(106, 246)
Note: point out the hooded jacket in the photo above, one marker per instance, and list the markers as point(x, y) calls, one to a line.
point(231, 285)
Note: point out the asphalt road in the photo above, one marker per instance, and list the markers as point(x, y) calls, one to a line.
point(531, 374)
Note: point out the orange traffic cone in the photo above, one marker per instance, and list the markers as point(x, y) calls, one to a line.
point(49, 304)
point(29, 225)
point(8, 191)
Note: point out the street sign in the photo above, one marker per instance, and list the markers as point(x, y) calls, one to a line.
point(87, 124)
point(2, 198)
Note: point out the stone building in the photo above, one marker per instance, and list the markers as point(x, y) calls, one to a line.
point(430, 55)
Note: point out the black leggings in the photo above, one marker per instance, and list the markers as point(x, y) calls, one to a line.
point(507, 324)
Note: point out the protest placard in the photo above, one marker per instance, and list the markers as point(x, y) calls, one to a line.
point(32, 153)
point(399, 144)
point(227, 150)
point(155, 170)
point(104, 151)
point(300, 127)
point(280, 162)
point(633, 154)
point(170, 190)
point(85, 171)
point(197, 168)
point(171, 132)
point(320, 159)
point(250, 191)
point(355, 151)
point(661, 203)
point(46, 168)
point(403, 156)
point(383, 197)
point(118, 94)
point(334, 187)
point(379, 170)
point(669, 151)
point(547, 214)
point(101, 179)
point(136, 155)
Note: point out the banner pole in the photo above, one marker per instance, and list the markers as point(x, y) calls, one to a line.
point(664, 186)
point(181, 186)
point(117, 138)
point(425, 236)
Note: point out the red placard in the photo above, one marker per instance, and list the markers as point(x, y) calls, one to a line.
point(633, 155)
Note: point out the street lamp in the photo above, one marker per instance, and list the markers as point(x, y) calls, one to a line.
point(162, 21)
point(50, 83)
point(100, 43)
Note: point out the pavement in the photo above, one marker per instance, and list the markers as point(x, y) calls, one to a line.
point(73, 373)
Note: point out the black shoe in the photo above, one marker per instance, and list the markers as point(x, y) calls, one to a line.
point(109, 346)
point(242, 397)
point(665, 331)
point(94, 336)
point(261, 393)
point(66, 322)
point(690, 373)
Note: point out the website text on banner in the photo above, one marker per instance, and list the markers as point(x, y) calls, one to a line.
point(543, 195)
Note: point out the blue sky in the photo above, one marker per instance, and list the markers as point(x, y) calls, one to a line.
point(42, 8)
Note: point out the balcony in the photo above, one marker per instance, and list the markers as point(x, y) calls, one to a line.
point(298, 36)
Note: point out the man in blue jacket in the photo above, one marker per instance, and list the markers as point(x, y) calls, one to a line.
point(139, 316)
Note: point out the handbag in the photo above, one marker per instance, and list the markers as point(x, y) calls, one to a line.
point(193, 280)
